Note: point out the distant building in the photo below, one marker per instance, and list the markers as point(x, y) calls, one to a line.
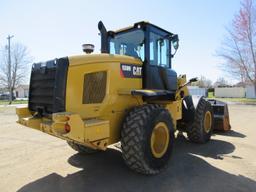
point(195, 90)
point(230, 92)
point(250, 92)
point(21, 91)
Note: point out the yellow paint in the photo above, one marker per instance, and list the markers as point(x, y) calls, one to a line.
point(182, 79)
point(160, 139)
point(31, 122)
point(114, 104)
point(97, 125)
point(23, 112)
point(175, 108)
point(96, 129)
point(207, 121)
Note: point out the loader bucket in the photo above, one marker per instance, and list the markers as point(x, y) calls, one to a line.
point(221, 115)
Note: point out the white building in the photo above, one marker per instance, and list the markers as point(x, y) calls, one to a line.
point(21, 91)
point(250, 91)
point(230, 92)
point(195, 90)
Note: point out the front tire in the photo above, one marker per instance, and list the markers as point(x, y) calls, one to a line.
point(201, 129)
point(147, 139)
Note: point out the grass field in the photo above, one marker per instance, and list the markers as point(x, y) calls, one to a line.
point(5, 102)
point(237, 100)
point(210, 95)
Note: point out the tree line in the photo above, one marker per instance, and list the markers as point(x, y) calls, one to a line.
point(203, 82)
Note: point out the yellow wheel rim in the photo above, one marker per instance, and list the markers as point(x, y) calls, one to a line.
point(207, 121)
point(159, 139)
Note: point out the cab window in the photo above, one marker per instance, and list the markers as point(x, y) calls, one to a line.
point(129, 43)
point(159, 50)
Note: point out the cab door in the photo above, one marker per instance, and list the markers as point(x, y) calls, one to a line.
point(158, 62)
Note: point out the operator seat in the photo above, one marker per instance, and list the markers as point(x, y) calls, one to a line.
point(130, 50)
point(169, 78)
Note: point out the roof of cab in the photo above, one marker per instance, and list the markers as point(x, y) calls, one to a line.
point(142, 23)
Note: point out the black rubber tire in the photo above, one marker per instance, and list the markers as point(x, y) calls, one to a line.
point(196, 132)
point(81, 149)
point(135, 139)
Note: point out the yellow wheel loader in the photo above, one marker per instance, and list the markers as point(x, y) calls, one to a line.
point(128, 93)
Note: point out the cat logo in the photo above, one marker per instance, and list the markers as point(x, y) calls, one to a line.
point(130, 71)
point(136, 70)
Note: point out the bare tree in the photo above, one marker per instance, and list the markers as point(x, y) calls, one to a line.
point(13, 73)
point(239, 47)
point(221, 82)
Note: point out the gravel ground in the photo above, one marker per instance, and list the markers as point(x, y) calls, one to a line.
point(33, 161)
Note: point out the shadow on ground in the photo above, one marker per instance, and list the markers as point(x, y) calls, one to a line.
point(230, 133)
point(187, 172)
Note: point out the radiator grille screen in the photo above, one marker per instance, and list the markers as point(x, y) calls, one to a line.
point(48, 86)
point(94, 87)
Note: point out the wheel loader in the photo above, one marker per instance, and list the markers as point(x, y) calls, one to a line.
point(128, 93)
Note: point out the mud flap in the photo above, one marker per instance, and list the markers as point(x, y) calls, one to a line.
point(221, 115)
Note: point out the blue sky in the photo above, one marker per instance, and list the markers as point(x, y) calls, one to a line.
point(58, 28)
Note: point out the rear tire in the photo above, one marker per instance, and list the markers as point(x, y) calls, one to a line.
point(81, 149)
point(147, 138)
point(201, 129)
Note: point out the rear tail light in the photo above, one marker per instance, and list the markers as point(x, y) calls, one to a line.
point(67, 128)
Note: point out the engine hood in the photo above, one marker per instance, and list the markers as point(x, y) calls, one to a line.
point(101, 58)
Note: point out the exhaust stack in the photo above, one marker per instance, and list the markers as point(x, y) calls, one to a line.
point(104, 37)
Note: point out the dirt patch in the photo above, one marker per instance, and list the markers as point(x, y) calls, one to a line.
point(33, 161)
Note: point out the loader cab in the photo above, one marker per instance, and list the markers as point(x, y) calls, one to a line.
point(149, 43)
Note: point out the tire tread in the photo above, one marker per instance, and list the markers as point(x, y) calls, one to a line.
point(132, 136)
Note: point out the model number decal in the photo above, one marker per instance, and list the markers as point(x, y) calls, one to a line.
point(130, 71)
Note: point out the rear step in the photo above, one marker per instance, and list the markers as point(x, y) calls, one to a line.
point(221, 115)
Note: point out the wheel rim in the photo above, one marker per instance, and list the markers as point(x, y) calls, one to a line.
point(159, 140)
point(207, 121)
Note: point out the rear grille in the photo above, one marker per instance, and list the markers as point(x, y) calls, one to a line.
point(47, 86)
point(94, 87)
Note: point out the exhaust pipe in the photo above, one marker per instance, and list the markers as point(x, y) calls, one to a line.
point(104, 37)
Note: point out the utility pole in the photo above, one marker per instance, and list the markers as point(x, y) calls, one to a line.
point(9, 68)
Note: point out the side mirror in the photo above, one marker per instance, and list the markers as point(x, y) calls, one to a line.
point(195, 79)
point(175, 41)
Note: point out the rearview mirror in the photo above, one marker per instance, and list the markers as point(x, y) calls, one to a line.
point(175, 42)
point(195, 79)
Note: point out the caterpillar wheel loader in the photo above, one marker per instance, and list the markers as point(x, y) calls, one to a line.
point(128, 93)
